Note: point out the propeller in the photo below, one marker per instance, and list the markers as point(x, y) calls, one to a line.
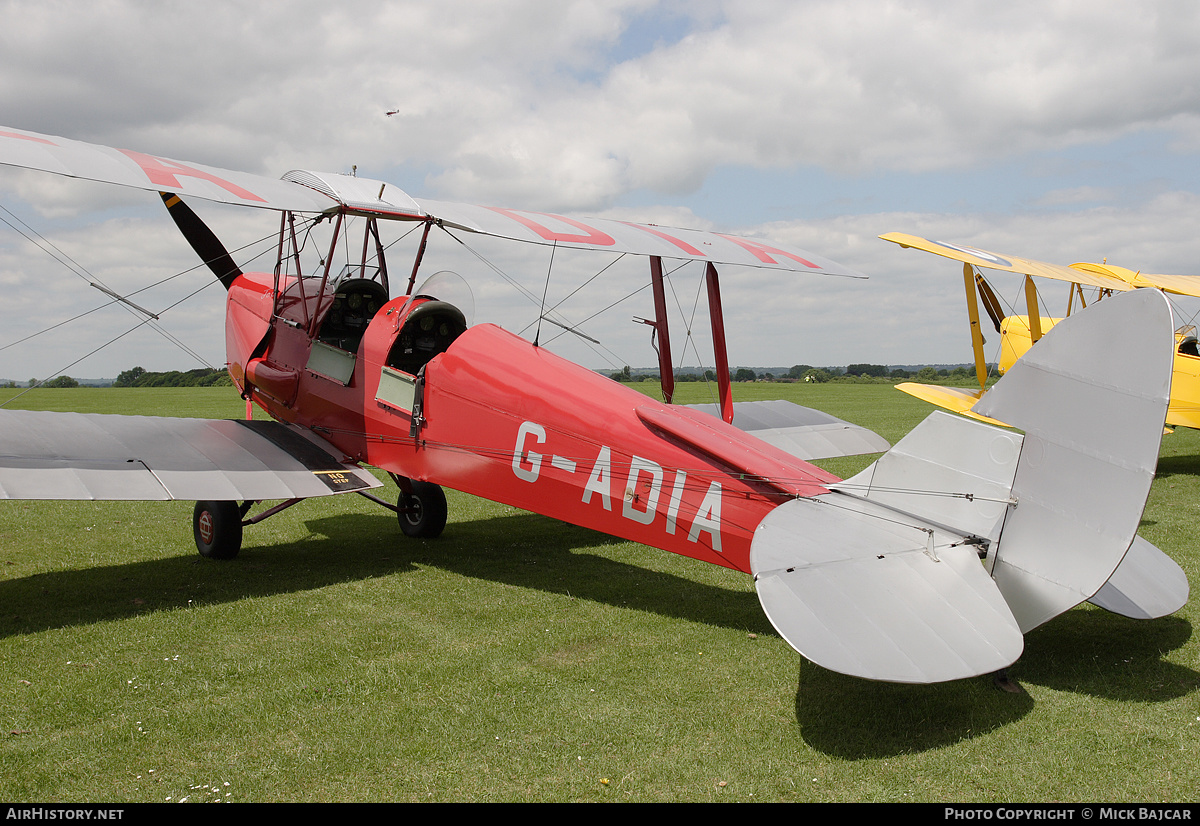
point(990, 302)
point(210, 249)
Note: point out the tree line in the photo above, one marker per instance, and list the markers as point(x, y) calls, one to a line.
point(808, 373)
point(200, 377)
point(140, 377)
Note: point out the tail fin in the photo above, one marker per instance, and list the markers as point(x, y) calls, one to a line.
point(1092, 401)
point(880, 578)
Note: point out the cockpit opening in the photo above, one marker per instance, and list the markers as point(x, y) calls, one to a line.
point(354, 304)
point(430, 329)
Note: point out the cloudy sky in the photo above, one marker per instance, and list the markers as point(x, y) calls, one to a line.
point(1063, 130)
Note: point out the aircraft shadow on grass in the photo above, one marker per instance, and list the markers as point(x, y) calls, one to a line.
point(524, 550)
point(1099, 654)
point(1084, 651)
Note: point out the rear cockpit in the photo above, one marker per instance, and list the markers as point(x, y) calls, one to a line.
point(355, 303)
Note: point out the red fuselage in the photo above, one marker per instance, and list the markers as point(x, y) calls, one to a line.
point(500, 418)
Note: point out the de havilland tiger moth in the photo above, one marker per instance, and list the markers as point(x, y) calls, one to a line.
point(930, 565)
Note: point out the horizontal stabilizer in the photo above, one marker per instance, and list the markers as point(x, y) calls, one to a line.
point(93, 456)
point(1147, 584)
point(947, 471)
point(859, 589)
point(801, 431)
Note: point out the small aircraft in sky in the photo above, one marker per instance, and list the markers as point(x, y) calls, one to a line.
point(928, 566)
point(1020, 332)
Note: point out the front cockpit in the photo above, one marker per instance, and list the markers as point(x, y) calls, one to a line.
point(430, 329)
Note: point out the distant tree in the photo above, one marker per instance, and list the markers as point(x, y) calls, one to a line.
point(898, 373)
point(62, 381)
point(798, 371)
point(745, 374)
point(816, 375)
point(866, 370)
point(128, 378)
point(199, 377)
point(926, 374)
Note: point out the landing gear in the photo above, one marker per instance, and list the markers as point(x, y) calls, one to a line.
point(217, 527)
point(422, 512)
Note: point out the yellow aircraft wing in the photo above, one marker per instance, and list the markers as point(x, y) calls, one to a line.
point(1178, 284)
point(954, 399)
point(1103, 277)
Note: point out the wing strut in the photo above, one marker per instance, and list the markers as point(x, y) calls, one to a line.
point(718, 334)
point(665, 370)
point(976, 333)
point(1035, 314)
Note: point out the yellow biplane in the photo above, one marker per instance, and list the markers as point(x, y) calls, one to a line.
point(1020, 332)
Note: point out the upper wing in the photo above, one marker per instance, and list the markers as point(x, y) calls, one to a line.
point(1009, 263)
point(93, 456)
point(124, 167)
point(1179, 284)
point(303, 191)
point(1105, 276)
point(632, 238)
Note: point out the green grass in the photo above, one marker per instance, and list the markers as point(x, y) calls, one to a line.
point(519, 658)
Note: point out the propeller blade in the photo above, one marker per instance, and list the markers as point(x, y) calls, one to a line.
point(211, 251)
point(990, 302)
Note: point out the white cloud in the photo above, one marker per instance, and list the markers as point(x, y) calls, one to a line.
point(545, 104)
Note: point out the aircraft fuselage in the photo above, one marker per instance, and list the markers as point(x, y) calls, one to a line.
point(483, 411)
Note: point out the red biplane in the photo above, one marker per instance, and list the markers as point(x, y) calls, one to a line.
point(878, 577)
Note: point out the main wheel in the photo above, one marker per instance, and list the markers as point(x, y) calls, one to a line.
point(218, 529)
point(422, 512)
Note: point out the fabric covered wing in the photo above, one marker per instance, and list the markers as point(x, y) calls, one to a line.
point(1008, 263)
point(76, 159)
point(954, 399)
point(801, 431)
point(306, 191)
point(631, 238)
point(93, 456)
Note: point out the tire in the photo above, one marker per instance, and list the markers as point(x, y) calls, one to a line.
point(424, 511)
point(217, 527)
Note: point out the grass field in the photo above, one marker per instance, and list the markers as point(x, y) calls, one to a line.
point(519, 658)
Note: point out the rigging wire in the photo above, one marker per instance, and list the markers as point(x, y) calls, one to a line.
point(48, 247)
point(608, 355)
point(113, 340)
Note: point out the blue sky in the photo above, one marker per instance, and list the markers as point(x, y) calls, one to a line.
point(1063, 131)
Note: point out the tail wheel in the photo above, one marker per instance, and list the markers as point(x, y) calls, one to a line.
point(217, 527)
point(422, 513)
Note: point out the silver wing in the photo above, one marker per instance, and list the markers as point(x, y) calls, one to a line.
point(801, 431)
point(93, 456)
point(305, 191)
